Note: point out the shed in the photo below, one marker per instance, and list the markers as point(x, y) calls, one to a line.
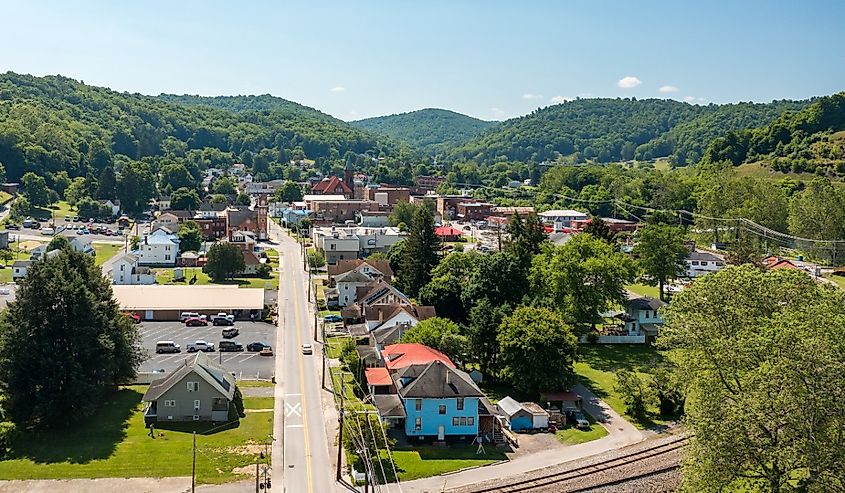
point(539, 416)
point(517, 417)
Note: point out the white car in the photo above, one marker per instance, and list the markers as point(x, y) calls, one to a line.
point(225, 315)
point(200, 346)
point(307, 349)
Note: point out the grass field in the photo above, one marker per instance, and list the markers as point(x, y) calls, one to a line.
point(334, 346)
point(105, 251)
point(573, 436)
point(426, 460)
point(644, 290)
point(5, 197)
point(598, 364)
point(114, 443)
point(165, 276)
point(58, 210)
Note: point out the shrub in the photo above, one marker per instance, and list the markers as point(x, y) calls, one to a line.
point(8, 431)
point(264, 271)
point(593, 337)
point(236, 409)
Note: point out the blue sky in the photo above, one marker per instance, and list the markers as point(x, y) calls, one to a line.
point(488, 59)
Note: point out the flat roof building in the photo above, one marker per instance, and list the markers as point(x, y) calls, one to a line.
point(157, 302)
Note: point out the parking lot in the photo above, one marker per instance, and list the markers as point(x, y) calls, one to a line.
point(244, 364)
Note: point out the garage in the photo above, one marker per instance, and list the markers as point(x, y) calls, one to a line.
point(162, 303)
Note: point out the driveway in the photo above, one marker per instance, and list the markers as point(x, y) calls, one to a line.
point(620, 434)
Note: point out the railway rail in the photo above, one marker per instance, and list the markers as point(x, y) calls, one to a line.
point(583, 474)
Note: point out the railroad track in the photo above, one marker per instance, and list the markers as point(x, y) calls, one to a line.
point(586, 472)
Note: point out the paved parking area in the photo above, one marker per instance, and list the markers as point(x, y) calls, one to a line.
point(244, 365)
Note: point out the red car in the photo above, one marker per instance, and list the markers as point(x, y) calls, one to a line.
point(133, 317)
point(195, 322)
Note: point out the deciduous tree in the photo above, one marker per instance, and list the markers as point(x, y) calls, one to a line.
point(185, 199)
point(224, 261)
point(661, 253)
point(190, 236)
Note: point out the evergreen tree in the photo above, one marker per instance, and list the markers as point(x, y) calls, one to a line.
point(107, 184)
point(63, 343)
point(420, 252)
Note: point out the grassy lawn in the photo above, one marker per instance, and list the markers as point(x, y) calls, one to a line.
point(839, 280)
point(5, 197)
point(573, 436)
point(644, 290)
point(334, 346)
point(423, 461)
point(114, 443)
point(105, 251)
point(597, 366)
point(58, 210)
point(255, 383)
point(165, 276)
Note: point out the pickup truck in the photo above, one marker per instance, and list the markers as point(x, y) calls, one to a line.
point(223, 319)
point(200, 346)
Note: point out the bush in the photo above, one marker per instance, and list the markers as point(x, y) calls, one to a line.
point(8, 431)
point(264, 271)
point(593, 337)
point(236, 408)
point(316, 259)
point(636, 393)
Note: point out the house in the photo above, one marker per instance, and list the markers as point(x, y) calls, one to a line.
point(251, 263)
point(700, 263)
point(197, 390)
point(293, 217)
point(337, 243)
point(161, 247)
point(348, 284)
point(37, 252)
point(376, 269)
point(332, 186)
point(474, 211)
point(560, 219)
point(523, 416)
point(20, 268)
point(773, 262)
point(171, 219)
point(82, 244)
point(373, 219)
point(448, 233)
point(163, 202)
point(440, 401)
point(113, 205)
point(349, 275)
point(372, 295)
point(641, 319)
point(125, 270)
point(340, 211)
point(243, 218)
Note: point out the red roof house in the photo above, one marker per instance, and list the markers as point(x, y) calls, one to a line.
point(402, 355)
point(332, 186)
point(448, 233)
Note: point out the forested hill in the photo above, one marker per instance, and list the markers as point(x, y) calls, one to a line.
point(264, 102)
point(810, 140)
point(431, 130)
point(607, 130)
point(52, 124)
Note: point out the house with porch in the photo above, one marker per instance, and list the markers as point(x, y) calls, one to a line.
point(197, 390)
point(125, 270)
point(700, 263)
point(159, 248)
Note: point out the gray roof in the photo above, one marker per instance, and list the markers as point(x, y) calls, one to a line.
point(216, 376)
point(22, 263)
point(389, 405)
point(437, 380)
point(388, 335)
point(706, 256)
point(645, 303)
point(240, 215)
point(353, 276)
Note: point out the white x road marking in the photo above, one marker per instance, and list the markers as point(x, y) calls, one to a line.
point(291, 410)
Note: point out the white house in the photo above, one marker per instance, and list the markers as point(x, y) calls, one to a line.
point(20, 268)
point(125, 270)
point(701, 263)
point(114, 205)
point(160, 247)
point(338, 243)
point(82, 244)
point(348, 284)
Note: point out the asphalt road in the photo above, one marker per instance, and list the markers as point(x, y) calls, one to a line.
point(244, 364)
point(300, 454)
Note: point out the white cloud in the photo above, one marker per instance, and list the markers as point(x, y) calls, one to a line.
point(629, 82)
point(498, 113)
point(560, 99)
point(689, 99)
point(529, 95)
point(337, 89)
point(668, 89)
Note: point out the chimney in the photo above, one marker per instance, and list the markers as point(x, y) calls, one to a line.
point(381, 315)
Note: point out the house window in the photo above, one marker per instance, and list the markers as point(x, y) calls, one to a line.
point(167, 257)
point(455, 421)
point(121, 267)
point(332, 247)
point(170, 403)
point(193, 386)
point(442, 409)
point(694, 262)
point(196, 404)
point(463, 420)
point(471, 421)
point(720, 264)
point(460, 403)
point(418, 424)
point(418, 405)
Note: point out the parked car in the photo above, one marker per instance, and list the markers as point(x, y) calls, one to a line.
point(230, 333)
point(229, 346)
point(195, 322)
point(200, 346)
point(48, 231)
point(332, 318)
point(186, 315)
point(577, 418)
point(267, 351)
point(256, 346)
point(13, 226)
point(223, 319)
point(76, 219)
point(67, 219)
point(167, 347)
point(307, 349)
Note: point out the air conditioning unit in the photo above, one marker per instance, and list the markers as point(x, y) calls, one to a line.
point(196, 417)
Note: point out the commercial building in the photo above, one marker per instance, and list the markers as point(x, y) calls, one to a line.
point(166, 302)
point(338, 243)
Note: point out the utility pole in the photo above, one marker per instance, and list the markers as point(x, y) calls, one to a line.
point(340, 431)
point(256, 475)
point(194, 466)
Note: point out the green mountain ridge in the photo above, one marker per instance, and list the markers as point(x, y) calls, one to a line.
point(431, 130)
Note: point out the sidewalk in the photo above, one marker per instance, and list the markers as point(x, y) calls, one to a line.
point(620, 434)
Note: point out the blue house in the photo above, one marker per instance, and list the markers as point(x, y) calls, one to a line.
point(440, 401)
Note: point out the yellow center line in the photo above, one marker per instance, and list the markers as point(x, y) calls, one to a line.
point(296, 300)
